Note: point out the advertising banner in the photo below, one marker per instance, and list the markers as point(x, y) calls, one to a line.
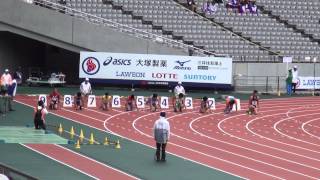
point(308, 82)
point(149, 67)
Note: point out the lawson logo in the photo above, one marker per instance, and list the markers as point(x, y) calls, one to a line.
point(181, 65)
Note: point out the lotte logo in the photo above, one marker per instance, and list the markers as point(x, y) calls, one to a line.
point(164, 76)
point(90, 65)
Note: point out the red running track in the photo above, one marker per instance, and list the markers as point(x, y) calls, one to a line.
point(79, 162)
point(246, 146)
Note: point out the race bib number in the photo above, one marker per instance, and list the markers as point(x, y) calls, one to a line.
point(92, 102)
point(188, 103)
point(116, 101)
point(140, 102)
point(212, 103)
point(238, 105)
point(43, 98)
point(164, 102)
point(67, 101)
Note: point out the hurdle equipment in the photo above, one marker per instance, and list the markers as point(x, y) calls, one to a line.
point(78, 144)
point(72, 132)
point(81, 136)
point(118, 145)
point(60, 129)
point(106, 141)
point(91, 140)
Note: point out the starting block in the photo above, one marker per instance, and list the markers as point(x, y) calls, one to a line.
point(238, 105)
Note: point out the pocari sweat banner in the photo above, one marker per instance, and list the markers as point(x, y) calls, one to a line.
point(149, 67)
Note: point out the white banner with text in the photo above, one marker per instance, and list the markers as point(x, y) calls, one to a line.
point(308, 82)
point(149, 67)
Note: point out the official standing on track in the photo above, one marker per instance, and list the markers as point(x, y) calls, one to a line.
point(161, 130)
point(85, 87)
point(179, 89)
point(295, 78)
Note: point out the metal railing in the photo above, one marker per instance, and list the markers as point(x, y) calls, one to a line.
point(264, 84)
point(12, 173)
point(122, 28)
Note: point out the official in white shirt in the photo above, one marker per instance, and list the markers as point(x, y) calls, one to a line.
point(179, 89)
point(295, 78)
point(161, 131)
point(85, 87)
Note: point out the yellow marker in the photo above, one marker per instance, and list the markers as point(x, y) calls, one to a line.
point(118, 145)
point(81, 136)
point(60, 129)
point(106, 141)
point(72, 132)
point(279, 93)
point(91, 140)
point(78, 144)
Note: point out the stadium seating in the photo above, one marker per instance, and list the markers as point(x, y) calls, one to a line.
point(172, 20)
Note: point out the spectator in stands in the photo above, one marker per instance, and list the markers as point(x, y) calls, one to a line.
point(6, 79)
point(12, 89)
point(294, 78)
point(54, 99)
point(192, 5)
point(210, 7)
point(253, 9)
point(233, 4)
point(243, 6)
point(39, 116)
point(289, 82)
point(161, 131)
point(18, 76)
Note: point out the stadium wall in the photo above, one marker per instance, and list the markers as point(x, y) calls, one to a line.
point(71, 33)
